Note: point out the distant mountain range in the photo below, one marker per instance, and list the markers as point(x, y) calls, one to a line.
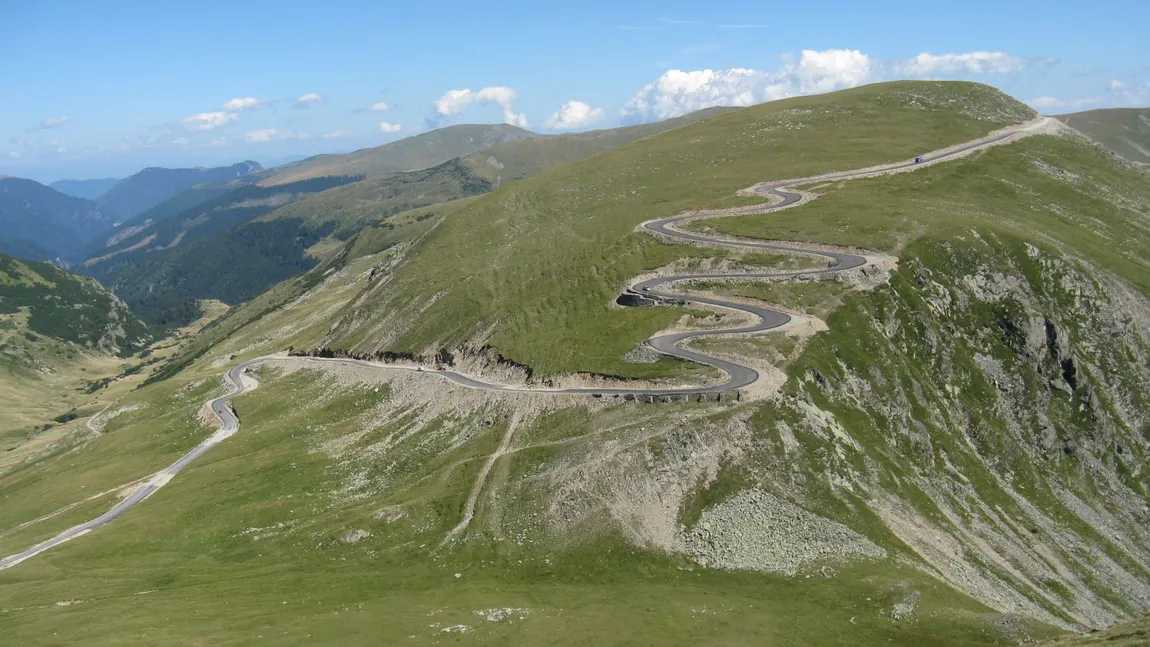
point(417, 152)
point(232, 241)
point(25, 249)
point(36, 218)
point(87, 189)
point(39, 222)
point(151, 186)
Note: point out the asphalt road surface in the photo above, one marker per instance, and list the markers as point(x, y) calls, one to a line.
point(229, 425)
point(737, 375)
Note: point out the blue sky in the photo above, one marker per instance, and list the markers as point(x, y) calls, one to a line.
point(104, 89)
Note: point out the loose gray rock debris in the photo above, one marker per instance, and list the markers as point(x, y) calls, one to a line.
point(756, 530)
point(641, 354)
point(501, 615)
point(354, 536)
point(905, 609)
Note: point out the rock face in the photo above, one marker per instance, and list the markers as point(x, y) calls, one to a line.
point(995, 419)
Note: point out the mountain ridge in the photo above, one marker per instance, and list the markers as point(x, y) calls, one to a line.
point(52, 220)
point(408, 154)
point(153, 185)
point(1126, 131)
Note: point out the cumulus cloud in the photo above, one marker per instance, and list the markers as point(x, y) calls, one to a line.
point(242, 103)
point(379, 107)
point(927, 64)
point(209, 120)
point(180, 141)
point(337, 134)
point(1117, 85)
point(266, 135)
point(52, 122)
point(385, 127)
point(456, 101)
point(574, 114)
point(1051, 102)
point(308, 99)
point(678, 92)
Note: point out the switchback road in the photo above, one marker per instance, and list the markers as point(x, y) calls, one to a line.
point(784, 194)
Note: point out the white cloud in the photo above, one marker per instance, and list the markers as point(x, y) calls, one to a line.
point(209, 120)
point(927, 64)
point(308, 99)
point(242, 103)
point(180, 141)
point(266, 135)
point(1128, 94)
point(13, 154)
point(337, 134)
point(52, 122)
point(385, 127)
point(220, 141)
point(456, 101)
point(379, 107)
point(1051, 102)
point(574, 114)
point(678, 92)
point(831, 69)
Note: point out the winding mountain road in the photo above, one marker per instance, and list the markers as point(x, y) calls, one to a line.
point(671, 344)
point(229, 425)
point(738, 375)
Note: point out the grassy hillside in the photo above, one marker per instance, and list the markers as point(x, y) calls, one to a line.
point(61, 224)
point(497, 265)
point(408, 154)
point(1125, 131)
point(959, 460)
point(1130, 634)
point(376, 199)
point(138, 193)
point(56, 326)
point(163, 262)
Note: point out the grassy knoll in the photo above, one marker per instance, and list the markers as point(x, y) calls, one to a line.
point(539, 261)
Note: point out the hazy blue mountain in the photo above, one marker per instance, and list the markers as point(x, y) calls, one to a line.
point(150, 187)
point(60, 224)
point(87, 189)
point(25, 249)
